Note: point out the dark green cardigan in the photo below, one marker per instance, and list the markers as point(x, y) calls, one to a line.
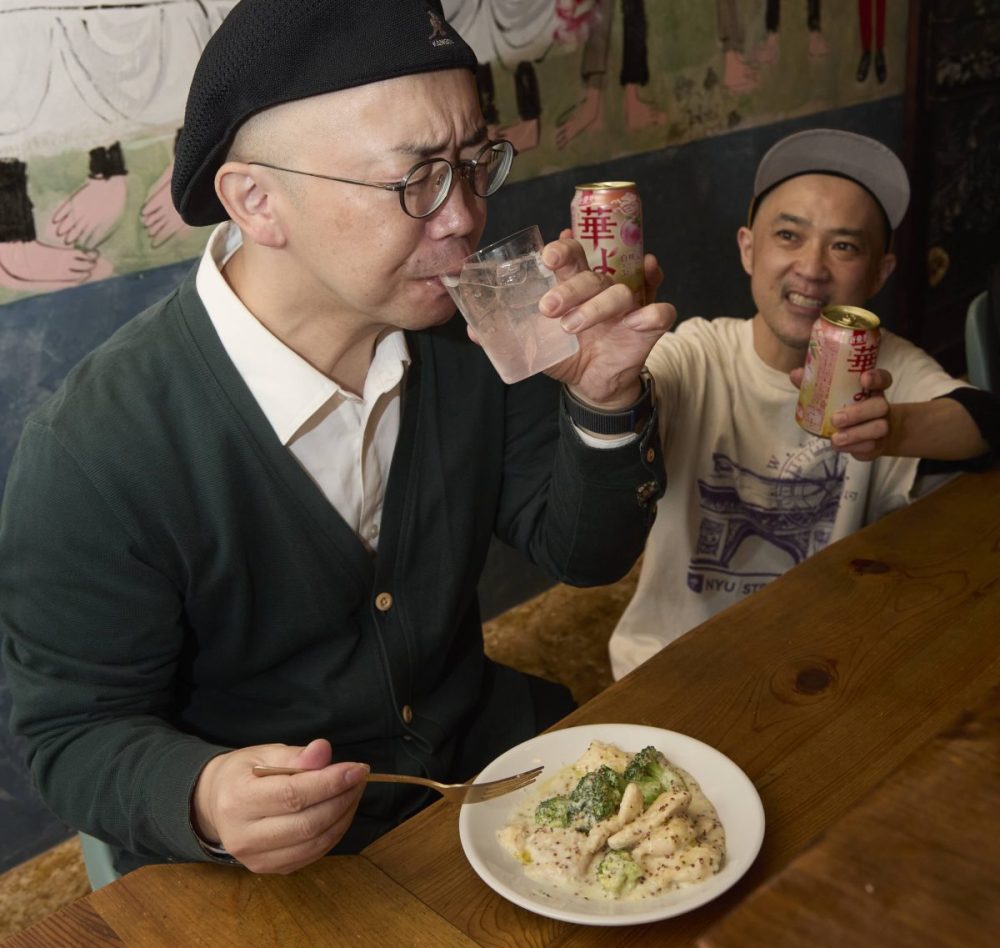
point(173, 584)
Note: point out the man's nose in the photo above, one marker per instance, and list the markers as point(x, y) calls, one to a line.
point(459, 214)
point(811, 262)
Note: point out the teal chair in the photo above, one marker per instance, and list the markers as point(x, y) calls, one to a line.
point(97, 860)
point(982, 344)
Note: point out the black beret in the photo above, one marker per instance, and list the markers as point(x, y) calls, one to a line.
point(267, 52)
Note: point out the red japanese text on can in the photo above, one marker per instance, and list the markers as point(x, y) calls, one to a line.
point(844, 343)
point(606, 218)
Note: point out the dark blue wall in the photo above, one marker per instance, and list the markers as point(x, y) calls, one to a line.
point(695, 197)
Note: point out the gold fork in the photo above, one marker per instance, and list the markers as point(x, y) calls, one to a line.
point(456, 792)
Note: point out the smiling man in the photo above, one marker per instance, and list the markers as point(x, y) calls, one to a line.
point(815, 240)
point(249, 529)
point(751, 493)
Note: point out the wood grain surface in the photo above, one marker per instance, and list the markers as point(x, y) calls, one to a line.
point(917, 863)
point(78, 925)
point(343, 900)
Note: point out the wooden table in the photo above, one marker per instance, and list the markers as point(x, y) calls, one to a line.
point(846, 690)
point(919, 858)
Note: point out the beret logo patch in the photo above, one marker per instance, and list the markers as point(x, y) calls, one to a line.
point(438, 35)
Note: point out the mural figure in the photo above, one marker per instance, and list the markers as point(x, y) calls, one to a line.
point(524, 133)
point(72, 72)
point(91, 213)
point(159, 217)
point(593, 74)
point(737, 74)
point(26, 263)
point(77, 74)
point(80, 224)
point(515, 35)
point(768, 51)
point(869, 25)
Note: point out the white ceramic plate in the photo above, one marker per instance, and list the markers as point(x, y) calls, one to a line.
point(729, 789)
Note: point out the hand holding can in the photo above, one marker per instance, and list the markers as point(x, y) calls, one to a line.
point(606, 218)
point(844, 344)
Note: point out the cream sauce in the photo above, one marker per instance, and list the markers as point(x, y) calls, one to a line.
point(677, 840)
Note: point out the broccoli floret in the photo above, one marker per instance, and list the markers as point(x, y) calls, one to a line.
point(596, 797)
point(618, 871)
point(555, 811)
point(651, 772)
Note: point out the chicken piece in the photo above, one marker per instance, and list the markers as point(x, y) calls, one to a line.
point(699, 807)
point(598, 754)
point(513, 838)
point(629, 810)
point(714, 836)
point(709, 830)
point(690, 865)
point(660, 810)
point(675, 835)
point(632, 804)
point(556, 852)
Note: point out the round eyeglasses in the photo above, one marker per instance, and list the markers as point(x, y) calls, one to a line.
point(426, 186)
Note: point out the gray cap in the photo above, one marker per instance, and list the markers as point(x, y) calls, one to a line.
point(845, 154)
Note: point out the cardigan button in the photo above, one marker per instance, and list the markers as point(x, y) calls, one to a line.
point(650, 455)
point(383, 602)
point(407, 714)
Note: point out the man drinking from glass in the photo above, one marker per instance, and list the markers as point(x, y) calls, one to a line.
point(249, 528)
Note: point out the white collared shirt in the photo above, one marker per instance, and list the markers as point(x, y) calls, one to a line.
point(332, 432)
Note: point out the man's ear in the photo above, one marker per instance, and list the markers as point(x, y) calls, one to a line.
point(885, 267)
point(243, 192)
point(744, 238)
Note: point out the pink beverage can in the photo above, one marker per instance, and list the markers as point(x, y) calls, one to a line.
point(606, 218)
point(844, 343)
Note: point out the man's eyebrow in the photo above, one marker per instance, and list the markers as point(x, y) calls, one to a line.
point(787, 218)
point(856, 232)
point(428, 149)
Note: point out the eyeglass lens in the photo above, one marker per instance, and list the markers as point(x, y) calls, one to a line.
point(428, 184)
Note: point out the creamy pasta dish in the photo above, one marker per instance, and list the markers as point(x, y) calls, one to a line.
point(615, 825)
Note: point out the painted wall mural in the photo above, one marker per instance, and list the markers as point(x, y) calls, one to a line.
point(92, 96)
